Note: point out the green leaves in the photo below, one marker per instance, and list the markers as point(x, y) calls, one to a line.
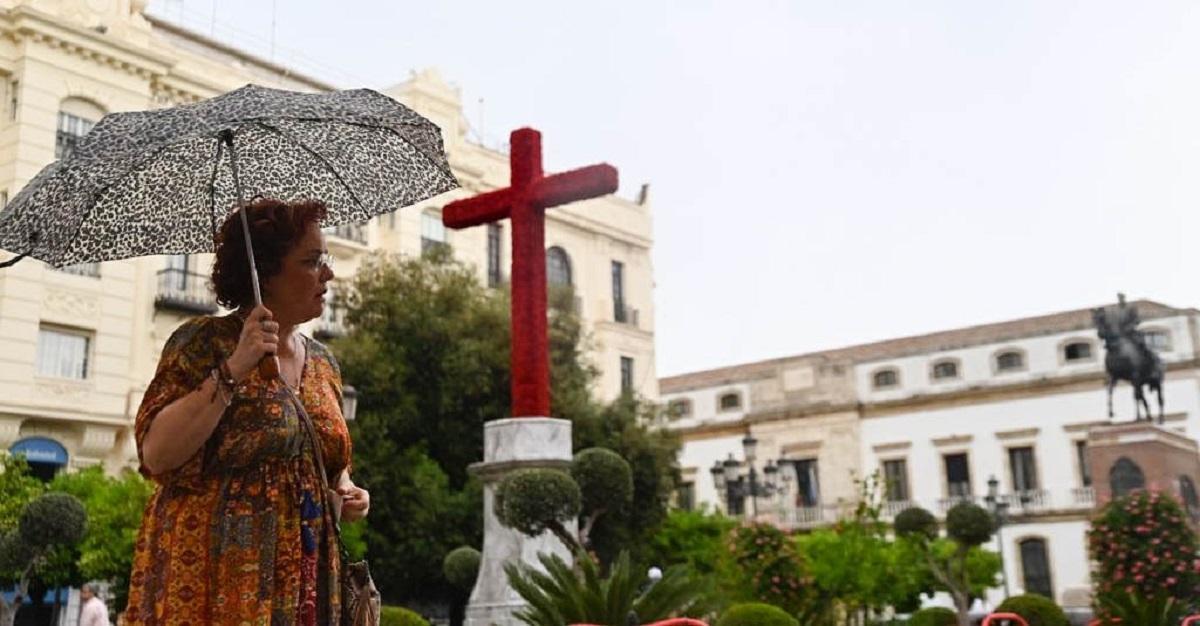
point(561, 595)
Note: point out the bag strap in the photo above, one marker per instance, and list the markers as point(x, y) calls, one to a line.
point(320, 459)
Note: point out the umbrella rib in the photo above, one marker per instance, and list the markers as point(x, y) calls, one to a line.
point(212, 192)
point(322, 159)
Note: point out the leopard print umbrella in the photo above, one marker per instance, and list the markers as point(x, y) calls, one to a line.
point(162, 181)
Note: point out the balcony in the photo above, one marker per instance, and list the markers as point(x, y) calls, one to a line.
point(623, 314)
point(332, 322)
point(91, 270)
point(350, 232)
point(185, 292)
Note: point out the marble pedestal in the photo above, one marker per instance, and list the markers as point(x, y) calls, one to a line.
point(508, 445)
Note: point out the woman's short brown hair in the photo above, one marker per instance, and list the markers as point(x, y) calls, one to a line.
point(275, 227)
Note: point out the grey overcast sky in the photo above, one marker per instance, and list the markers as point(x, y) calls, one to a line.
point(823, 173)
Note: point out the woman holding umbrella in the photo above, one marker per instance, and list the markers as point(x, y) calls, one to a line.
point(239, 529)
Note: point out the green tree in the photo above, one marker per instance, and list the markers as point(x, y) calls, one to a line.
point(958, 563)
point(48, 522)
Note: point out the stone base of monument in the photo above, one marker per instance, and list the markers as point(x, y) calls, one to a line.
point(509, 445)
point(1142, 455)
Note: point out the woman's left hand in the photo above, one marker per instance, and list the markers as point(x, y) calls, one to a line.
point(356, 501)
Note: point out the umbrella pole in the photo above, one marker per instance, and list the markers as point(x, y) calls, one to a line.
point(269, 366)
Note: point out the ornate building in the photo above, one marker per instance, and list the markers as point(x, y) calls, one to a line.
point(1001, 410)
point(80, 344)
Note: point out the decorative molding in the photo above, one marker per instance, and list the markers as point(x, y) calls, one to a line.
point(72, 304)
point(897, 446)
point(62, 390)
point(789, 449)
point(952, 440)
point(1022, 433)
point(1083, 427)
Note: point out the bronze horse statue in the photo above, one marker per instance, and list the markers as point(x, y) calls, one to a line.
point(1127, 357)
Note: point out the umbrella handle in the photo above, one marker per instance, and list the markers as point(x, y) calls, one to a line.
point(268, 367)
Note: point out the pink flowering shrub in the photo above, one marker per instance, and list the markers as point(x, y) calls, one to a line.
point(771, 563)
point(1143, 547)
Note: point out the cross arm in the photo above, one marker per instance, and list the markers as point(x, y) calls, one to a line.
point(586, 182)
point(476, 210)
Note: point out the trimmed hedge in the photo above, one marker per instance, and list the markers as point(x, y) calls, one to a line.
point(1037, 610)
point(461, 567)
point(916, 521)
point(605, 479)
point(400, 616)
point(969, 524)
point(934, 616)
point(756, 614)
point(529, 500)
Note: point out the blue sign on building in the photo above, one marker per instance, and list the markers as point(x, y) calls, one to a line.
point(41, 450)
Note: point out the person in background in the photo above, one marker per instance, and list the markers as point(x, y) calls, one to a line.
point(93, 612)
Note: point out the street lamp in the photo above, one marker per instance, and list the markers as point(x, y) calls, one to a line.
point(736, 487)
point(999, 509)
point(349, 402)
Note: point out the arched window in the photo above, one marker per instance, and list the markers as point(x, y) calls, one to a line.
point(731, 401)
point(1125, 477)
point(945, 370)
point(76, 117)
point(886, 378)
point(679, 408)
point(1036, 567)
point(1077, 351)
point(1187, 489)
point(1010, 361)
point(558, 266)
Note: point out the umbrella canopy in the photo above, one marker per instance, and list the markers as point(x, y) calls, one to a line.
point(163, 181)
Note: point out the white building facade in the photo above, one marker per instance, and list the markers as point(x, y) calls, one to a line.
point(943, 415)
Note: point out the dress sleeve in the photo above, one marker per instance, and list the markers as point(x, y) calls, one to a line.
point(186, 360)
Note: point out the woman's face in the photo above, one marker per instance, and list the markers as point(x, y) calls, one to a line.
point(297, 293)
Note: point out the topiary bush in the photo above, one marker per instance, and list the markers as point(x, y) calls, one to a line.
point(1143, 546)
point(400, 616)
point(461, 567)
point(934, 616)
point(53, 519)
point(756, 614)
point(916, 522)
point(969, 524)
point(605, 479)
point(1036, 609)
point(531, 500)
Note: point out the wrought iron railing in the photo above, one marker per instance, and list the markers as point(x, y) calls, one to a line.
point(184, 291)
point(91, 270)
point(350, 232)
point(625, 314)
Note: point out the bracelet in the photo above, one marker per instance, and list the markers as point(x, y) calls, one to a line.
point(227, 374)
point(220, 388)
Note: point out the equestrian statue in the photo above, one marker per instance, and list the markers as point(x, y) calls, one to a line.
point(1128, 357)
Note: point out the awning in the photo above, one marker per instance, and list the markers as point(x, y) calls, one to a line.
point(41, 450)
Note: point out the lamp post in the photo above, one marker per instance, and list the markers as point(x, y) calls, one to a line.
point(349, 402)
point(735, 487)
point(999, 509)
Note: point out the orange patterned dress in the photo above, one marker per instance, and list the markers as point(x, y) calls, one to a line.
point(240, 533)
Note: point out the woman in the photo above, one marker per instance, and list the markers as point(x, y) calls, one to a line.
point(239, 529)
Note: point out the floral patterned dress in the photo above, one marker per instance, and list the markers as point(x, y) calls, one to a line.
point(240, 534)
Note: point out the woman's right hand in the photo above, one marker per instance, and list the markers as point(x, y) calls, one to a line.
point(260, 337)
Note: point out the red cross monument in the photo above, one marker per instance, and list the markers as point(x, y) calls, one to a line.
point(524, 202)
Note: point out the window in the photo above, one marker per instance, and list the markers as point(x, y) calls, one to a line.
point(808, 483)
point(1010, 361)
point(620, 313)
point(1125, 477)
point(71, 128)
point(885, 378)
point(685, 496)
point(945, 370)
point(14, 91)
point(1085, 468)
point(91, 270)
point(1158, 340)
point(1036, 567)
point(62, 353)
point(558, 266)
point(1077, 351)
point(731, 401)
point(1024, 469)
point(1187, 490)
point(626, 375)
point(679, 408)
point(177, 272)
point(433, 232)
point(495, 275)
point(895, 473)
point(958, 475)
